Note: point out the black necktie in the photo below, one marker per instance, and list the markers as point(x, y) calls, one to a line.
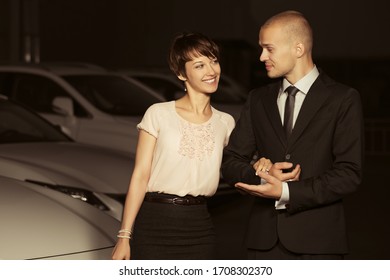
point(289, 109)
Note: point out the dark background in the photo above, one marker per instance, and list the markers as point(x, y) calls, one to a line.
point(352, 45)
point(129, 33)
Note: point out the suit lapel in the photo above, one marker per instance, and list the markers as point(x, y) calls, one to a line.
point(271, 108)
point(312, 103)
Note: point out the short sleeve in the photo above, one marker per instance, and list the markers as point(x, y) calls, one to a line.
point(230, 124)
point(227, 122)
point(149, 122)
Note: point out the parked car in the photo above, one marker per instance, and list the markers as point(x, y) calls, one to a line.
point(39, 223)
point(230, 96)
point(92, 105)
point(32, 149)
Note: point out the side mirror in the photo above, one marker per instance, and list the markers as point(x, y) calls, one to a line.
point(63, 129)
point(63, 105)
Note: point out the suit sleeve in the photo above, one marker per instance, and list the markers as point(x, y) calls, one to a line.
point(345, 174)
point(238, 154)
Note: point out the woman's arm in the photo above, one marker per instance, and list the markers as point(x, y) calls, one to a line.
point(136, 192)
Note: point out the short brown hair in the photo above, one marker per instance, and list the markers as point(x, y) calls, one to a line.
point(186, 46)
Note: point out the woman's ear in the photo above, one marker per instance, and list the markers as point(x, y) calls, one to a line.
point(181, 77)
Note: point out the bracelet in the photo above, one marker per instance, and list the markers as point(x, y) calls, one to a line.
point(123, 236)
point(125, 231)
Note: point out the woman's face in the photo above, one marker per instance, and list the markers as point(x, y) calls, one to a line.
point(202, 74)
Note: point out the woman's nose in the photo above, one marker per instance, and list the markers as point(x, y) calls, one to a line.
point(213, 69)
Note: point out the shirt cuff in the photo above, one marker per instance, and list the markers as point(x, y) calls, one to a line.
point(284, 198)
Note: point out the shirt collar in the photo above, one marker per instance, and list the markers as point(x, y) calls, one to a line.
point(305, 83)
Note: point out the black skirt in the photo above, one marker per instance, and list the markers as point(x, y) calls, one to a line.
point(164, 231)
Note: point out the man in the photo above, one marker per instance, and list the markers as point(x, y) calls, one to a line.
point(321, 132)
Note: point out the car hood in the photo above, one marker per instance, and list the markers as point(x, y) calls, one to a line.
point(68, 164)
point(39, 223)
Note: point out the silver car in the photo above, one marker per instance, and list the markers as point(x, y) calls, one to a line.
point(39, 223)
point(31, 149)
point(92, 105)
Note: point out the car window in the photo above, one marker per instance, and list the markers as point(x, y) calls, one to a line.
point(36, 92)
point(20, 125)
point(113, 94)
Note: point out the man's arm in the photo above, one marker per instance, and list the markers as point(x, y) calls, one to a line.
point(345, 174)
point(238, 154)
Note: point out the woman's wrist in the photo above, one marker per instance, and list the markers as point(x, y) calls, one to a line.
point(125, 233)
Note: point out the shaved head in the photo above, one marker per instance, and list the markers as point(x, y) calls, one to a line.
point(295, 26)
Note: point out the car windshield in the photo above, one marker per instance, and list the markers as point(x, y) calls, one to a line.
point(113, 94)
point(18, 125)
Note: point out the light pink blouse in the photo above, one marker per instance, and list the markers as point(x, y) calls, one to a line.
point(187, 156)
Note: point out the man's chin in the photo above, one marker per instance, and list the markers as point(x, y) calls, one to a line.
point(273, 74)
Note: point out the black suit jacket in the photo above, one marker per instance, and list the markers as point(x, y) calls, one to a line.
point(327, 141)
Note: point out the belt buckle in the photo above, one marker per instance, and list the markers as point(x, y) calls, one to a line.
point(183, 201)
point(174, 201)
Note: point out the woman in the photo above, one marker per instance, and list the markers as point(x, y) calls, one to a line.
point(178, 161)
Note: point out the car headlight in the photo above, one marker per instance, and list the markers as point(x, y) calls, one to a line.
point(77, 193)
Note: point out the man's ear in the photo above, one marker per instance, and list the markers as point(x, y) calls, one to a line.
point(300, 49)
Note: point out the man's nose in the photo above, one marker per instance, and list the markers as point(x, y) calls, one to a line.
point(262, 56)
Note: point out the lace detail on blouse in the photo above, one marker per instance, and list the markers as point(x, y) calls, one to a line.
point(197, 141)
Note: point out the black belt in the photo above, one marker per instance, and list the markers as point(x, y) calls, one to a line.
point(173, 199)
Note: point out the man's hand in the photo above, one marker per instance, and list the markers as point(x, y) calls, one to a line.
point(272, 189)
point(274, 178)
point(277, 171)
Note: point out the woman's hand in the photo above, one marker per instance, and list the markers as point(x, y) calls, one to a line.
point(273, 178)
point(277, 169)
point(263, 165)
point(121, 250)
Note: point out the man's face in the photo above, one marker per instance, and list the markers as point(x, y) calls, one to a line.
point(278, 52)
